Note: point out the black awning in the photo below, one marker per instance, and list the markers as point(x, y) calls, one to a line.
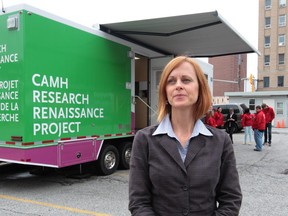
point(196, 35)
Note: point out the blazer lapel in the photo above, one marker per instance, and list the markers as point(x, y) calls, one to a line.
point(195, 145)
point(170, 145)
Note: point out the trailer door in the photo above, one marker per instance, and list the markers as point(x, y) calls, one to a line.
point(156, 67)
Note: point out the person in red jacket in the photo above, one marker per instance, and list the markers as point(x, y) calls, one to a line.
point(269, 115)
point(247, 121)
point(210, 119)
point(258, 126)
point(219, 118)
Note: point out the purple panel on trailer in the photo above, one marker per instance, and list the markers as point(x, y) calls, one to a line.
point(77, 152)
point(65, 154)
point(31, 156)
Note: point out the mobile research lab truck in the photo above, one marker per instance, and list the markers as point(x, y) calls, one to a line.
point(70, 94)
point(65, 95)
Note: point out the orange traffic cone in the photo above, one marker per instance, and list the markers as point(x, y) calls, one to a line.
point(278, 124)
point(283, 124)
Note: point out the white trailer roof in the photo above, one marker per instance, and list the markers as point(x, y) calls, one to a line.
point(197, 35)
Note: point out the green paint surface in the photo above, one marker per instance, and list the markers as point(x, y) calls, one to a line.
point(61, 82)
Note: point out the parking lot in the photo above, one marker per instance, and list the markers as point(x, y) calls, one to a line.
point(263, 177)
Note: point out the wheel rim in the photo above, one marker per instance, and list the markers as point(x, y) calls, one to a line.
point(127, 155)
point(110, 160)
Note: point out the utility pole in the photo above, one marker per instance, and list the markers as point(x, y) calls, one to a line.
point(238, 72)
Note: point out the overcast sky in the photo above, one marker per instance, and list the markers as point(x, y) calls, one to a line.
point(241, 14)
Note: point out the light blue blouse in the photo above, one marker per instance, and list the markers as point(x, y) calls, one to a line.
point(165, 127)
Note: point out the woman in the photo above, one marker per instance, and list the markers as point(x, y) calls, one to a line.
point(231, 126)
point(210, 119)
point(182, 167)
point(219, 118)
point(247, 121)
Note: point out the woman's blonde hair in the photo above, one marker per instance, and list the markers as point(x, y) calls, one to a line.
point(204, 98)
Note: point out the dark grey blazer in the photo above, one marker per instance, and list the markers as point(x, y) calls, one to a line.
point(207, 183)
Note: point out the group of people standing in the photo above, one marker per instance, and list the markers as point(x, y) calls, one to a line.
point(259, 122)
point(215, 119)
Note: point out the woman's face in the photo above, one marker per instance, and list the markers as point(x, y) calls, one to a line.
point(182, 87)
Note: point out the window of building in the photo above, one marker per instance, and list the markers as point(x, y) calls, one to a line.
point(267, 22)
point(266, 81)
point(267, 60)
point(267, 41)
point(267, 4)
point(279, 108)
point(281, 58)
point(281, 40)
point(252, 104)
point(282, 20)
point(280, 81)
point(282, 3)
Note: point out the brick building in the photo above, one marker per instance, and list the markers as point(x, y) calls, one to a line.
point(229, 73)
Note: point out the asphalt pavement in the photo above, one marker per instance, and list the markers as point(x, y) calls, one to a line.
point(263, 175)
point(263, 179)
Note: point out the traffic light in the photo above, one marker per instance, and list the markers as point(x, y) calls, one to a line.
point(252, 83)
point(251, 79)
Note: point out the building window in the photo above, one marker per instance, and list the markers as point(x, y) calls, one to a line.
point(267, 4)
point(281, 58)
point(267, 60)
point(266, 81)
point(279, 108)
point(281, 40)
point(282, 20)
point(280, 81)
point(267, 41)
point(282, 3)
point(252, 104)
point(267, 22)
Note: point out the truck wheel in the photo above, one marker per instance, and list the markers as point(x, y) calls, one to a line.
point(108, 160)
point(125, 155)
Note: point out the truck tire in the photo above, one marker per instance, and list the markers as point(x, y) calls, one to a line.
point(125, 155)
point(108, 160)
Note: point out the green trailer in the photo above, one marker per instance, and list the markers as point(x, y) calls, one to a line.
point(70, 94)
point(63, 92)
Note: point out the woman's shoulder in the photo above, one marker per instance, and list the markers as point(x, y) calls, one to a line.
point(219, 137)
point(149, 130)
point(216, 131)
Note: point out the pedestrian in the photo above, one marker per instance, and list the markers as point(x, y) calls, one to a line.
point(210, 119)
point(219, 118)
point(231, 126)
point(182, 167)
point(247, 121)
point(258, 126)
point(269, 115)
point(207, 113)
